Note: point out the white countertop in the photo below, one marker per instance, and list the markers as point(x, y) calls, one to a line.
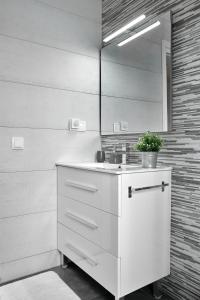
point(111, 168)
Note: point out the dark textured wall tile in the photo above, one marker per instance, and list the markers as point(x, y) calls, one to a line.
point(182, 145)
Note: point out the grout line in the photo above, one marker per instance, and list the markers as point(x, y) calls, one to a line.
point(49, 46)
point(48, 128)
point(48, 87)
point(27, 214)
point(131, 99)
point(27, 171)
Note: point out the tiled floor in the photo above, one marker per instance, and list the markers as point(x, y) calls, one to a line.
point(88, 289)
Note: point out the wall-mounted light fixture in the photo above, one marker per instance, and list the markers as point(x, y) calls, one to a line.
point(124, 28)
point(136, 35)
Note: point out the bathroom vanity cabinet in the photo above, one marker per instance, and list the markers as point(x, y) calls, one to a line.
point(115, 223)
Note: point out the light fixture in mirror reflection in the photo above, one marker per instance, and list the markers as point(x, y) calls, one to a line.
point(136, 79)
point(124, 28)
point(136, 35)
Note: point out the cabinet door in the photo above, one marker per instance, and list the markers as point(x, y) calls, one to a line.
point(144, 230)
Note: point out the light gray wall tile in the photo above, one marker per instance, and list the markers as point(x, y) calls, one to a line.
point(40, 65)
point(138, 114)
point(27, 235)
point(27, 192)
point(29, 265)
point(90, 9)
point(44, 147)
point(43, 24)
point(149, 59)
point(38, 107)
point(129, 82)
point(48, 55)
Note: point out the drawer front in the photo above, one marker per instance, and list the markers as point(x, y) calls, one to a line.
point(95, 261)
point(99, 190)
point(97, 226)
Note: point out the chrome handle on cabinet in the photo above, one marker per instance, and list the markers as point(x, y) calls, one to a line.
point(82, 254)
point(132, 190)
point(82, 220)
point(82, 186)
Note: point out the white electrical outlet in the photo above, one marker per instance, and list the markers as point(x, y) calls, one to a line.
point(116, 127)
point(124, 126)
point(77, 125)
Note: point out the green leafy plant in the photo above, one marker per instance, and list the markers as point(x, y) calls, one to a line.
point(149, 142)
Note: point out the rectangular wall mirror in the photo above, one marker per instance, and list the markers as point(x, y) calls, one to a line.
point(136, 79)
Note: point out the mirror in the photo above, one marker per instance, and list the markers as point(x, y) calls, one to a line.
point(136, 80)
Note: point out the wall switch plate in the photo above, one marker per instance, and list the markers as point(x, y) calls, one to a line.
point(116, 127)
point(124, 126)
point(17, 143)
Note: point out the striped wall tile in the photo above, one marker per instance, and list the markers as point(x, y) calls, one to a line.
point(182, 144)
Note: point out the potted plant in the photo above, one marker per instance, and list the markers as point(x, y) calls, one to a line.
point(149, 145)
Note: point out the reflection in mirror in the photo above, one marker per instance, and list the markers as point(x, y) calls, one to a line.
point(136, 79)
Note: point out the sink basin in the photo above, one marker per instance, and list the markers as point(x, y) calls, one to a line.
point(107, 166)
point(102, 167)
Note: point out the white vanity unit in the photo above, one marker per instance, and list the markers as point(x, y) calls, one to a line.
point(114, 223)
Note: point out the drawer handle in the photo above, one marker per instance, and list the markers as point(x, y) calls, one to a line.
point(82, 220)
point(82, 254)
point(131, 189)
point(78, 185)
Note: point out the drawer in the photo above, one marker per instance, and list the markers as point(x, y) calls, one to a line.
point(95, 261)
point(97, 226)
point(97, 189)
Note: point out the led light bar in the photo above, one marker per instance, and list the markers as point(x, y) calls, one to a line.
point(124, 28)
point(136, 35)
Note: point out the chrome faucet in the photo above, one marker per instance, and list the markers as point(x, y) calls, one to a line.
point(124, 154)
point(114, 157)
point(118, 157)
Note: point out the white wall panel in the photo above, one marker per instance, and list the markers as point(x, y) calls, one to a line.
point(44, 147)
point(140, 115)
point(37, 107)
point(49, 73)
point(142, 54)
point(27, 235)
point(28, 265)
point(37, 22)
point(27, 192)
point(90, 9)
point(129, 82)
point(31, 63)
